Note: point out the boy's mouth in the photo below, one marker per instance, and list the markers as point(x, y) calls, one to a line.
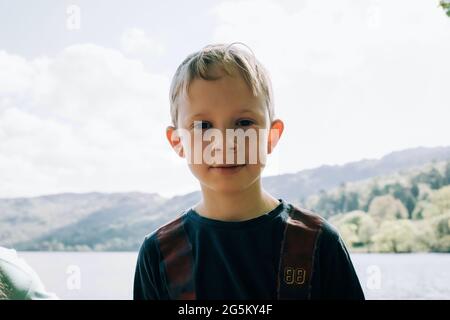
point(227, 166)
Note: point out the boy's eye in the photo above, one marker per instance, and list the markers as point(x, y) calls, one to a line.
point(202, 125)
point(245, 122)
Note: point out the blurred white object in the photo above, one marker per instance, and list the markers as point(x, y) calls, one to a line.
point(19, 279)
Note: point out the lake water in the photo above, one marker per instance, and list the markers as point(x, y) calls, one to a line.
point(109, 275)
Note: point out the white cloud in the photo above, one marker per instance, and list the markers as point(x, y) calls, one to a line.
point(135, 41)
point(87, 119)
point(15, 74)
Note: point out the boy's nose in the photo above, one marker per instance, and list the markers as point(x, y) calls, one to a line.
point(227, 145)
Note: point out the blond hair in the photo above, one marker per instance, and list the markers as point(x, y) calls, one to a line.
point(229, 58)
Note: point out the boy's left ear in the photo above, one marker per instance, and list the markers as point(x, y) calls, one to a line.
point(276, 130)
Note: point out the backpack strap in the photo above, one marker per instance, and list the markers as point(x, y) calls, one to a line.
point(300, 239)
point(298, 247)
point(177, 260)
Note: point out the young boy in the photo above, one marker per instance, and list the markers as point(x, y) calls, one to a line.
point(238, 242)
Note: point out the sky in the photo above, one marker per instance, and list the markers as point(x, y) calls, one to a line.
point(84, 85)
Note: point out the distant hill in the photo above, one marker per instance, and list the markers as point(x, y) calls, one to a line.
point(407, 211)
point(298, 186)
point(119, 221)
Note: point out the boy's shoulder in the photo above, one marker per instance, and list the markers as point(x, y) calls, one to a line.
point(297, 216)
point(171, 229)
point(308, 219)
point(319, 235)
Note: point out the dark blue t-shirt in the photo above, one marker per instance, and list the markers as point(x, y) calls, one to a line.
point(239, 260)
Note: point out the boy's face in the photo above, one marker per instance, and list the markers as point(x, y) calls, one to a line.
point(213, 107)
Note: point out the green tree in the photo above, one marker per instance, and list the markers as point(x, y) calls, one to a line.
point(347, 201)
point(425, 192)
point(447, 174)
point(326, 204)
point(349, 234)
point(441, 198)
point(436, 180)
point(403, 194)
point(374, 192)
point(425, 236)
point(356, 227)
point(442, 244)
point(395, 236)
point(352, 201)
point(387, 208)
point(415, 191)
point(442, 231)
point(442, 225)
point(433, 178)
point(425, 210)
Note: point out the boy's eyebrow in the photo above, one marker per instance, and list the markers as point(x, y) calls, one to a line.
point(257, 113)
point(247, 110)
point(196, 115)
point(203, 114)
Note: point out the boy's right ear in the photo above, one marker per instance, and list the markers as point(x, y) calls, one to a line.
point(175, 140)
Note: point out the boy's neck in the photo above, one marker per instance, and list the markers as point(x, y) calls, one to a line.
point(236, 206)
